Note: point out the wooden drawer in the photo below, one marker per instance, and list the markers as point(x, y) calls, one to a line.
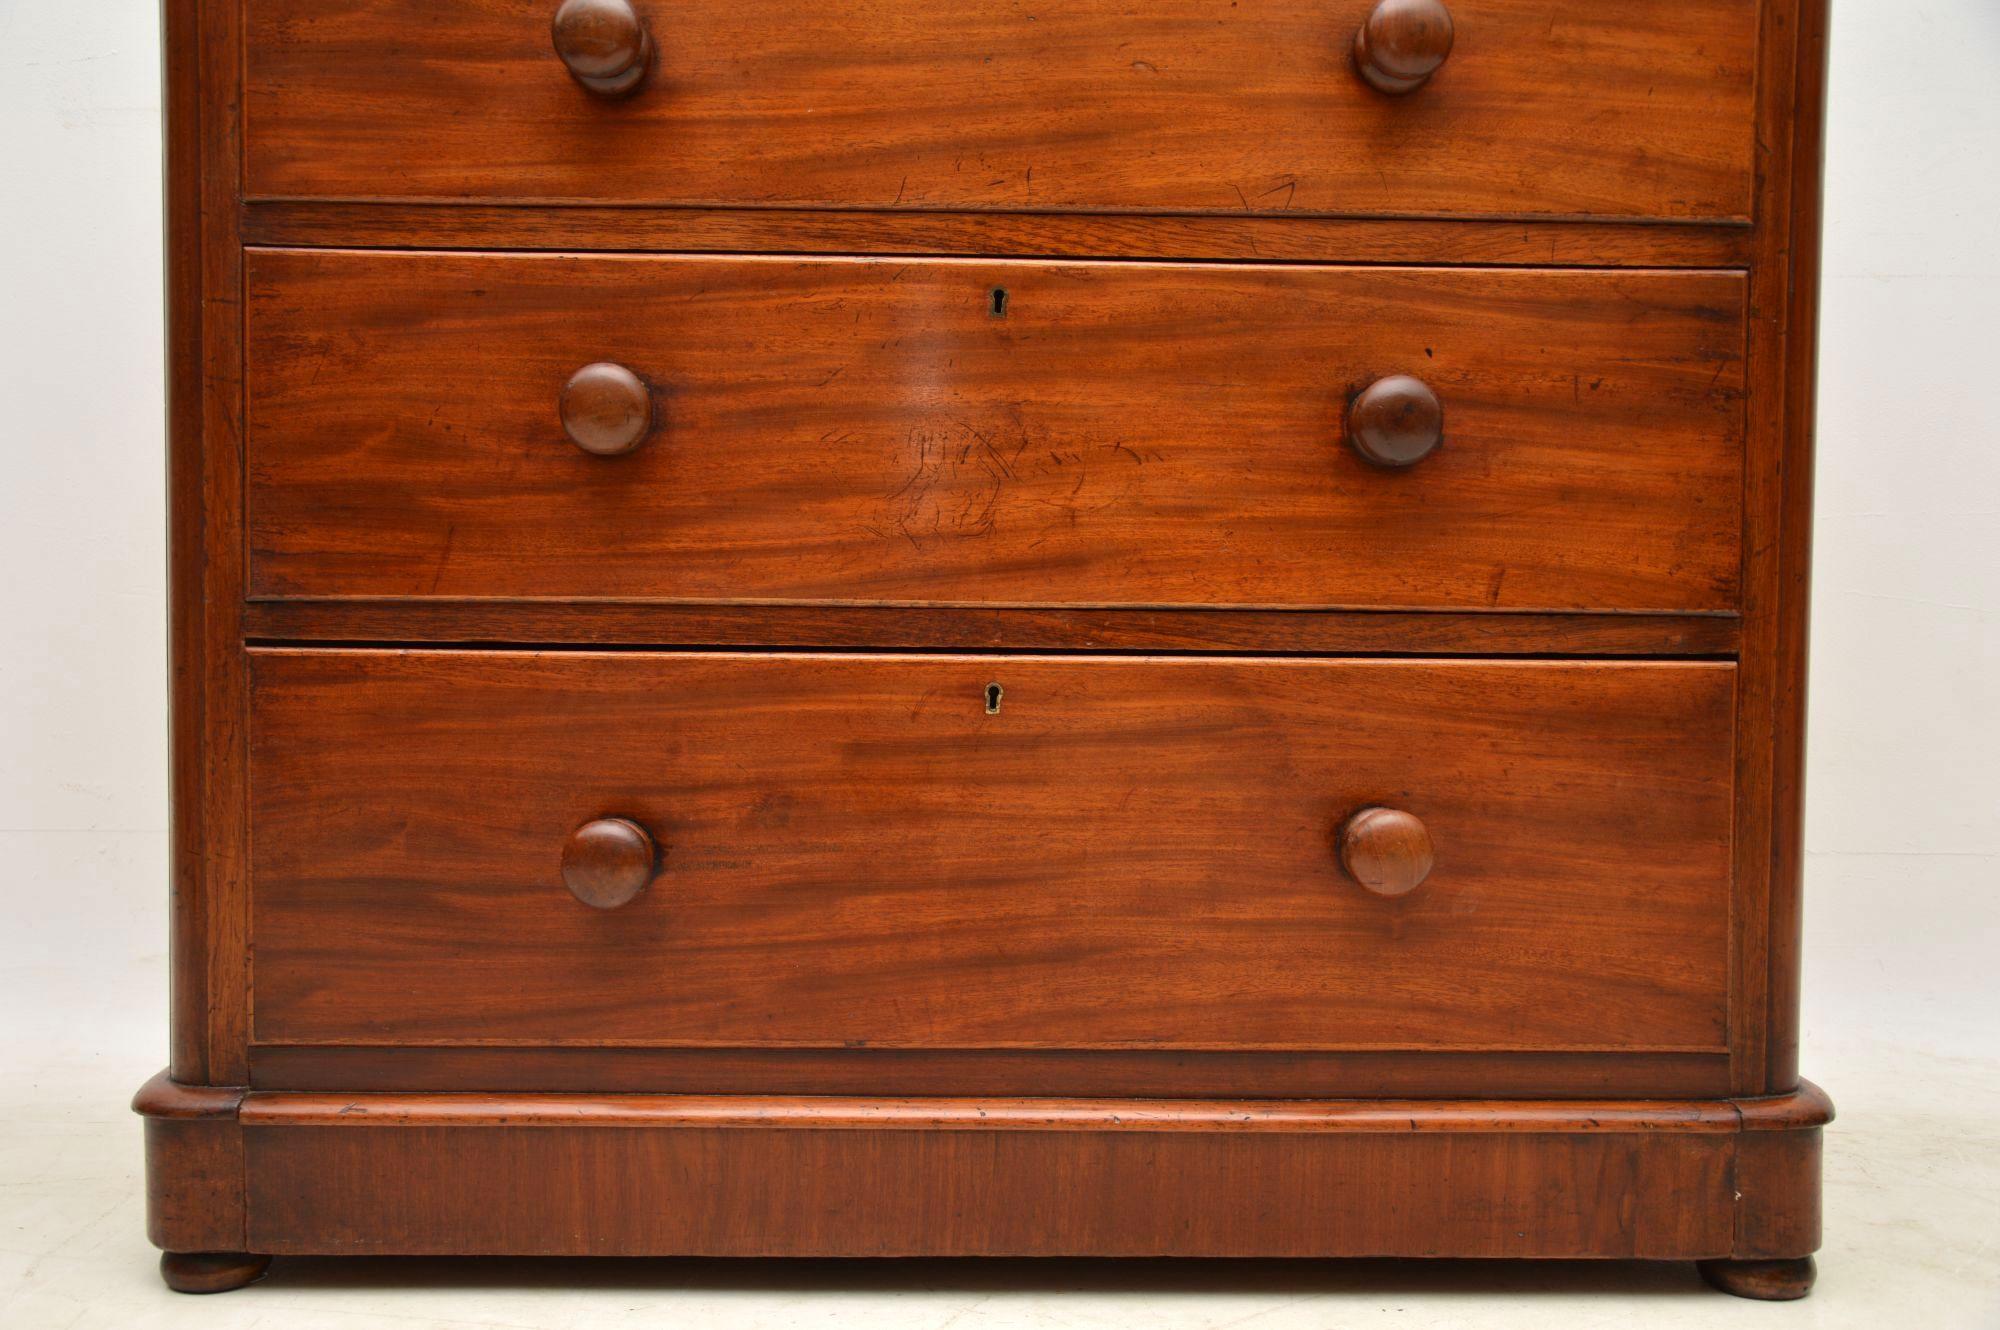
point(856, 431)
point(1544, 107)
point(859, 851)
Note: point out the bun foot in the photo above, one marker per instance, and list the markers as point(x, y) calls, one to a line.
point(1767, 1281)
point(211, 1271)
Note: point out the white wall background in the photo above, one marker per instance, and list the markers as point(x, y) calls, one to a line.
point(82, 532)
point(1904, 805)
point(1903, 793)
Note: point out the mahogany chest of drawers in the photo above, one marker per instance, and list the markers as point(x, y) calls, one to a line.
point(882, 628)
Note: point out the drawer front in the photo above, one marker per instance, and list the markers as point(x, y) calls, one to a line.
point(1641, 108)
point(857, 431)
point(1109, 853)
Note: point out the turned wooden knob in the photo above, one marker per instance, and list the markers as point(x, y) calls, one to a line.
point(1402, 44)
point(1396, 421)
point(608, 861)
point(605, 44)
point(606, 409)
point(1386, 850)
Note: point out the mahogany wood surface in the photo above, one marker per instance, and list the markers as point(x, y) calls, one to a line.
point(606, 409)
point(1196, 211)
point(1131, 853)
point(1387, 850)
point(1402, 43)
point(605, 44)
point(583, 1175)
point(194, 1169)
point(1270, 239)
point(1154, 1074)
point(1289, 632)
point(202, 56)
point(576, 1191)
point(636, 1174)
point(1771, 699)
point(608, 861)
point(211, 1272)
point(1547, 107)
point(1395, 421)
point(870, 431)
point(1790, 272)
point(1765, 1281)
point(995, 1115)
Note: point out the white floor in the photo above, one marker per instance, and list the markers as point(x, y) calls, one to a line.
point(1913, 1213)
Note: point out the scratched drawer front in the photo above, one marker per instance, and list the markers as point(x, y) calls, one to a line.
point(871, 431)
point(856, 850)
point(1641, 108)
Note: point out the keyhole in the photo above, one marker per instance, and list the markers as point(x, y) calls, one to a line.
point(999, 306)
point(993, 694)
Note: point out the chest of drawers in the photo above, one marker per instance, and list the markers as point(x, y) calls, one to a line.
point(881, 629)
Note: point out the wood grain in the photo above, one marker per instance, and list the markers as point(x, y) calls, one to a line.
point(1447, 242)
point(1001, 1072)
point(1402, 43)
point(605, 1177)
point(608, 861)
point(203, 255)
point(1547, 107)
point(1764, 1281)
point(1789, 566)
point(955, 1114)
point(211, 1271)
point(889, 628)
point(1238, 134)
point(185, 250)
point(661, 1174)
point(605, 45)
point(1133, 853)
point(868, 431)
point(580, 1191)
point(1386, 851)
point(1777, 549)
point(194, 1166)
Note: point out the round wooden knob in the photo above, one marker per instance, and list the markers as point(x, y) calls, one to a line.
point(606, 409)
point(1402, 44)
point(1386, 850)
point(1396, 421)
point(605, 44)
point(607, 862)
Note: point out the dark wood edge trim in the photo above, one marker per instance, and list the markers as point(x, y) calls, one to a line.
point(1747, 892)
point(1792, 595)
point(196, 1184)
point(831, 1113)
point(1777, 518)
point(1040, 1073)
point(1274, 631)
point(1805, 1109)
point(255, 652)
point(180, 52)
point(792, 1048)
point(1160, 237)
point(209, 976)
point(565, 203)
point(1775, 1175)
point(165, 1097)
point(566, 604)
